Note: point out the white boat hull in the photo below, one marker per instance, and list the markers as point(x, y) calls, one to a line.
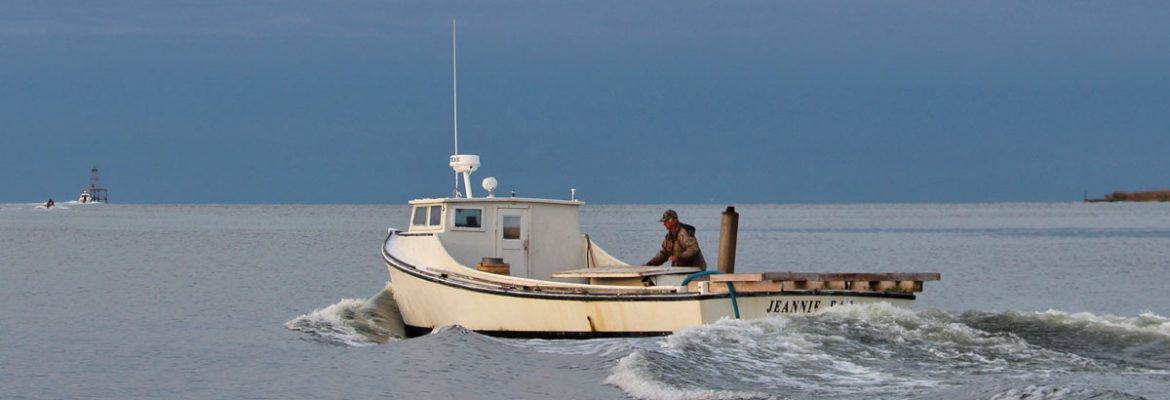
point(427, 301)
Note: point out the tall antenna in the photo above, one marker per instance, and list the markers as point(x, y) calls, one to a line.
point(454, 87)
point(462, 163)
point(455, 101)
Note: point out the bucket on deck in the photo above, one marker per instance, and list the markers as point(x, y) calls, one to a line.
point(494, 265)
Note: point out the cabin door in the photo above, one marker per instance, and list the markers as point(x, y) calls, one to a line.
point(512, 238)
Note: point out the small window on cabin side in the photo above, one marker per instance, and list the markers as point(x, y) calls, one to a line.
point(420, 216)
point(436, 215)
point(468, 217)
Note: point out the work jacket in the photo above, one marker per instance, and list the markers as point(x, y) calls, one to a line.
point(681, 244)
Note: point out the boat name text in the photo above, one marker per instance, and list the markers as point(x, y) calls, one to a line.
point(801, 306)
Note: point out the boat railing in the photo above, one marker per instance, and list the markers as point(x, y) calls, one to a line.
point(533, 285)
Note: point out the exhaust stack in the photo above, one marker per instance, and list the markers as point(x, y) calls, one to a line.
point(727, 236)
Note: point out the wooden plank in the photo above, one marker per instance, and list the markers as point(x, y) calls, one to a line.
point(852, 276)
point(643, 271)
point(623, 272)
point(745, 287)
point(804, 285)
point(909, 286)
point(792, 276)
point(634, 281)
point(737, 277)
point(775, 286)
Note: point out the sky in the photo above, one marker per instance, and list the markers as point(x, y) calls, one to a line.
point(326, 102)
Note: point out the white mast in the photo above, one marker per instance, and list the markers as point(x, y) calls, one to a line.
point(461, 163)
point(454, 87)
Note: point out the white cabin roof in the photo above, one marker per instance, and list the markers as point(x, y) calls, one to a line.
point(496, 200)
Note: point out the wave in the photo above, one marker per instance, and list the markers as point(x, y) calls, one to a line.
point(850, 352)
point(354, 322)
point(1071, 391)
point(333, 324)
point(613, 348)
point(1125, 344)
point(877, 350)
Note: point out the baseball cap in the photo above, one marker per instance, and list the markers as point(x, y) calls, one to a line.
point(669, 214)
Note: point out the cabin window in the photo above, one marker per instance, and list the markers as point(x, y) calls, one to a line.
point(436, 215)
point(427, 216)
point(468, 217)
point(511, 227)
point(420, 216)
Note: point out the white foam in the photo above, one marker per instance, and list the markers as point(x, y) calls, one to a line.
point(778, 352)
point(1147, 322)
point(877, 311)
point(597, 347)
point(450, 328)
point(331, 325)
point(1036, 392)
point(629, 377)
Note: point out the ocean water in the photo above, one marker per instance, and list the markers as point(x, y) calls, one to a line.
point(1037, 301)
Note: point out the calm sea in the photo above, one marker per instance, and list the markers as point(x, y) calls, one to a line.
point(1037, 301)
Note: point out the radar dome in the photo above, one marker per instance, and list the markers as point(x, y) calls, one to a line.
point(489, 184)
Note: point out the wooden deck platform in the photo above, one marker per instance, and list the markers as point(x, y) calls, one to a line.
point(905, 282)
point(901, 282)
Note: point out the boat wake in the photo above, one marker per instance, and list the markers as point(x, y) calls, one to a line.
point(881, 351)
point(848, 352)
point(353, 322)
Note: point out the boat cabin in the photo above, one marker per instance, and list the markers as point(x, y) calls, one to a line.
point(535, 237)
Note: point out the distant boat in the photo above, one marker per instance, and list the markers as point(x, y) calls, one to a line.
point(93, 193)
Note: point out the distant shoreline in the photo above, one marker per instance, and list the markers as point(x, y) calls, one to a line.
point(1153, 195)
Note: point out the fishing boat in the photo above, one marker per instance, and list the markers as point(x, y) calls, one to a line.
point(94, 193)
point(521, 267)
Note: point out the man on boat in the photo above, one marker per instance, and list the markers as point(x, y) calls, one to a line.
point(50, 203)
point(680, 245)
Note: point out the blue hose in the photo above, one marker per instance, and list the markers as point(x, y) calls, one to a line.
point(730, 288)
point(692, 277)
